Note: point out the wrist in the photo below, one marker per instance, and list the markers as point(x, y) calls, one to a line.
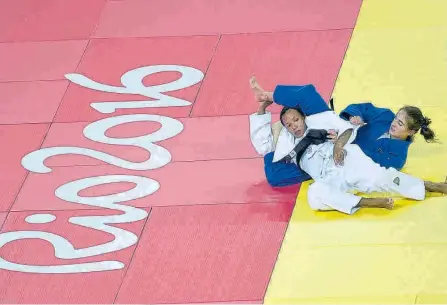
point(263, 107)
point(261, 110)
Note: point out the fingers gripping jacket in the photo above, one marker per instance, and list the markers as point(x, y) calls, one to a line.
point(313, 137)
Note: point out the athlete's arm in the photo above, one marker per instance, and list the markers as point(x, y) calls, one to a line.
point(339, 144)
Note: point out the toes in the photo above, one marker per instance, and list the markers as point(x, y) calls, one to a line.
point(253, 81)
point(390, 203)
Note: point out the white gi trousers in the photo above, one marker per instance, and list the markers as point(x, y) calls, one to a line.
point(334, 188)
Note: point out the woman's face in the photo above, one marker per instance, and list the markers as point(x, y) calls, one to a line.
point(294, 122)
point(399, 126)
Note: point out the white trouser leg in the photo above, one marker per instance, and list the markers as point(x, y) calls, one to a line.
point(361, 173)
point(324, 197)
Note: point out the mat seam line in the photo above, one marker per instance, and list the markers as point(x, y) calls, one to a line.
point(346, 50)
point(182, 161)
point(157, 206)
point(280, 248)
point(213, 301)
point(233, 33)
point(32, 80)
point(341, 65)
point(22, 183)
point(132, 256)
point(69, 84)
point(92, 37)
point(175, 117)
point(331, 94)
point(47, 132)
point(205, 74)
point(95, 27)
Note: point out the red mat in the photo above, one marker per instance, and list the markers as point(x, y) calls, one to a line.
point(18, 140)
point(27, 20)
point(182, 183)
point(2, 218)
point(31, 61)
point(138, 18)
point(201, 139)
point(280, 58)
point(215, 226)
point(127, 55)
point(88, 287)
point(30, 102)
point(208, 253)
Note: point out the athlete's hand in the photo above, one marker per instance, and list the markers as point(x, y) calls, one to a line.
point(263, 106)
point(356, 120)
point(332, 135)
point(339, 155)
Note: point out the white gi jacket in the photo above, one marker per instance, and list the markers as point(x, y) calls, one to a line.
point(262, 139)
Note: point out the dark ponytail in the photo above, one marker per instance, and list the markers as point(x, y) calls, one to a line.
point(417, 121)
point(426, 131)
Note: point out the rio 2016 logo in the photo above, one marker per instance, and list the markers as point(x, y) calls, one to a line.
point(132, 82)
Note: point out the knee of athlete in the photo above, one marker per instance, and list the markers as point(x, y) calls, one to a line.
point(273, 182)
point(314, 197)
point(273, 179)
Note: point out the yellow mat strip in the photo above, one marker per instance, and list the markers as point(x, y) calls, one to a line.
point(397, 56)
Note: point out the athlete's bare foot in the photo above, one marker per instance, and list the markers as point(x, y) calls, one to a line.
point(384, 203)
point(260, 95)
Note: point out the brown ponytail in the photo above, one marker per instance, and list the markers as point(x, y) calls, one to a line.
point(417, 121)
point(427, 132)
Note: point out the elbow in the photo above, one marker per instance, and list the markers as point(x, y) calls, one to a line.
point(347, 137)
point(262, 146)
point(400, 165)
point(275, 182)
point(285, 177)
point(263, 150)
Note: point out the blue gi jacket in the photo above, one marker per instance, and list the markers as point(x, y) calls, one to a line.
point(386, 152)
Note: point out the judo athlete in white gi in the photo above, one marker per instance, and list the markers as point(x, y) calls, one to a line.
point(338, 167)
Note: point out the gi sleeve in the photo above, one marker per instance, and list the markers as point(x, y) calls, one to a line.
point(368, 112)
point(261, 135)
point(341, 126)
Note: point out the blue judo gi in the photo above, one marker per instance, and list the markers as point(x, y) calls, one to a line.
point(385, 151)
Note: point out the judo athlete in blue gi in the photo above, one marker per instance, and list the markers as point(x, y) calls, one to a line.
point(337, 165)
point(382, 135)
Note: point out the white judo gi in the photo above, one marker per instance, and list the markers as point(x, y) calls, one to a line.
point(334, 185)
